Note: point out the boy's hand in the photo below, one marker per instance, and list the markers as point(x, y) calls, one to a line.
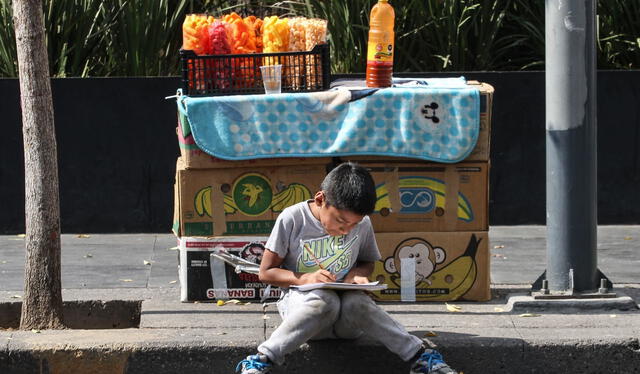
point(360, 273)
point(319, 276)
point(358, 279)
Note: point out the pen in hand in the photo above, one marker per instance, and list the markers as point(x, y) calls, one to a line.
point(331, 276)
point(313, 257)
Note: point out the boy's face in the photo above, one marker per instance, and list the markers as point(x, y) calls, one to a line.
point(335, 221)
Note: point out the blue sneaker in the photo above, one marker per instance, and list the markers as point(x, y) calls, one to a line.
point(254, 364)
point(431, 362)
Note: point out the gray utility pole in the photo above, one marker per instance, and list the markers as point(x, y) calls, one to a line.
point(571, 145)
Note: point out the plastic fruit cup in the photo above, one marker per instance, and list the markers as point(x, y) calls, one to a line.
point(272, 78)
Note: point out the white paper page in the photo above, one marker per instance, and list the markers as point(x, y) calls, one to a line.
point(371, 286)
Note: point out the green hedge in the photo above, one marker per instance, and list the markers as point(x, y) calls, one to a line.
point(142, 37)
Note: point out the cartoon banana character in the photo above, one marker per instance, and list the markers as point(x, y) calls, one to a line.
point(436, 186)
point(456, 278)
point(252, 192)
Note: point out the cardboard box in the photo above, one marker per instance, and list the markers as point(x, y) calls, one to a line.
point(437, 266)
point(239, 201)
point(203, 278)
point(195, 158)
point(423, 196)
point(482, 150)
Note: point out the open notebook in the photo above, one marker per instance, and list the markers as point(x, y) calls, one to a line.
point(371, 286)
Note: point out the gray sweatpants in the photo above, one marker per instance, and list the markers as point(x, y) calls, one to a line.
point(322, 314)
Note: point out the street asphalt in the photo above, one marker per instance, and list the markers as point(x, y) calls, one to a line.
point(123, 274)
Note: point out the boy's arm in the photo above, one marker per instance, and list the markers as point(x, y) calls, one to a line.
point(271, 273)
point(359, 273)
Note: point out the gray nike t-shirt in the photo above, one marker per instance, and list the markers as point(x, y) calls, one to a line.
point(296, 227)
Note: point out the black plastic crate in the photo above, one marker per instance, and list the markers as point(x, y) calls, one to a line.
point(213, 75)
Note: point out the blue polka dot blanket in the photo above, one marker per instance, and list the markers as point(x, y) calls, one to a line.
point(431, 122)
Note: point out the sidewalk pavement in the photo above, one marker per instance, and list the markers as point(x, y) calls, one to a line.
point(175, 337)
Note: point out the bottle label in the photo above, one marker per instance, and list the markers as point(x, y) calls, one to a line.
point(380, 53)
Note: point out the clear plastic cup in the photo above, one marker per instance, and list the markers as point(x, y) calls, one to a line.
point(272, 78)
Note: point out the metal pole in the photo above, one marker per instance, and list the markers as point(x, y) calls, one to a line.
point(571, 145)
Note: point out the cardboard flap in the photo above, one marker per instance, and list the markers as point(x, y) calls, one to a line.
point(392, 181)
point(452, 188)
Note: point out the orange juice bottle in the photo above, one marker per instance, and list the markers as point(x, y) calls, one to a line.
point(380, 45)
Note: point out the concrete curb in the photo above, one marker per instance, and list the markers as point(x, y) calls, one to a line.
point(202, 351)
point(528, 303)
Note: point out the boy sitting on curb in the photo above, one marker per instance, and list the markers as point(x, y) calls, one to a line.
point(334, 226)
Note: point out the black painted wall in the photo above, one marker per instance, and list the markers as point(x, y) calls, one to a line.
point(117, 150)
point(116, 154)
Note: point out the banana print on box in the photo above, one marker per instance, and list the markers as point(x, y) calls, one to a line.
point(449, 282)
point(252, 195)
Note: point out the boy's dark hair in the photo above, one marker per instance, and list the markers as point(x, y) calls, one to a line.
point(350, 187)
